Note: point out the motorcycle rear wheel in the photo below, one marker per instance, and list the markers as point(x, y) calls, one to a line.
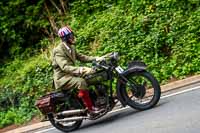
point(145, 95)
point(69, 103)
point(72, 127)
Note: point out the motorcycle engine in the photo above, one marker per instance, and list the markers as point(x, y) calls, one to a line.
point(102, 95)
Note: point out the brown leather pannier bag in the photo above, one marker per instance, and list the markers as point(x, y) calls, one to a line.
point(45, 104)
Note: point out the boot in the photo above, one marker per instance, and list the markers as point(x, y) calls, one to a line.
point(85, 97)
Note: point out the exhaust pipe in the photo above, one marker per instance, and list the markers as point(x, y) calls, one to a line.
point(72, 112)
point(71, 119)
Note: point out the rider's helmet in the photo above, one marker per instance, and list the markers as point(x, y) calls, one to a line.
point(65, 33)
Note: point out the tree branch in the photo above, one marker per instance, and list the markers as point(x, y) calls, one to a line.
point(54, 4)
point(51, 19)
point(63, 6)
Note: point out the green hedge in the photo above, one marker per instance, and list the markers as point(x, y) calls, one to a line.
point(22, 81)
point(164, 34)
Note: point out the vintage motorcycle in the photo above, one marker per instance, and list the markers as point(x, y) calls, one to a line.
point(135, 87)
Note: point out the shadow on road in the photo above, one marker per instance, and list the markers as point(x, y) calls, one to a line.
point(107, 119)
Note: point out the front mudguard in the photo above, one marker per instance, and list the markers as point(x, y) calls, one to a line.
point(134, 67)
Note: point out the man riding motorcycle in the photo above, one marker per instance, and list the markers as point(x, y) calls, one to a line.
point(66, 74)
point(135, 86)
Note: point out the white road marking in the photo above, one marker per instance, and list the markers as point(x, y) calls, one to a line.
point(117, 110)
point(180, 92)
point(45, 130)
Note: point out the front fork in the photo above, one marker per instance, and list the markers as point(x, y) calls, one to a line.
point(131, 84)
point(122, 81)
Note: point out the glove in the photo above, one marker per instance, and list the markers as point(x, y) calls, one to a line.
point(86, 70)
point(98, 59)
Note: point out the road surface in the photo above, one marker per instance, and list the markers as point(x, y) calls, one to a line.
point(177, 112)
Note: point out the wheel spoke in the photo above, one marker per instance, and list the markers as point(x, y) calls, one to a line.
point(143, 94)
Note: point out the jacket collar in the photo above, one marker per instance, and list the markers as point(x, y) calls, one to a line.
point(71, 54)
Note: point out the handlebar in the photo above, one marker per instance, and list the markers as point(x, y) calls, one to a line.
point(99, 65)
point(103, 64)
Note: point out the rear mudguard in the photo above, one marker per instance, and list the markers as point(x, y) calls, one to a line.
point(134, 67)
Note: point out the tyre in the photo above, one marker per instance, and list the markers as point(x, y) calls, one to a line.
point(65, 127)
point(142, 91)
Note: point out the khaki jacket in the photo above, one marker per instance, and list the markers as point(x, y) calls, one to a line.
point(63, 62)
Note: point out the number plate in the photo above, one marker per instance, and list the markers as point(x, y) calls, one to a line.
point(119, 69)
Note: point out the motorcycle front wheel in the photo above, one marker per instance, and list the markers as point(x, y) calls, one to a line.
point(142, 91)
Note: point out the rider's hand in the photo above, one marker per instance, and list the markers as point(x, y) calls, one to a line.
point(102, 58)
point(98, 59)
point(86, 70)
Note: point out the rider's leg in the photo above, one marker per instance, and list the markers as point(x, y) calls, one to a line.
point(84, 95)
point(81, 85)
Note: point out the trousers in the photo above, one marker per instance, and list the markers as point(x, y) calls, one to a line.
point(82, 83)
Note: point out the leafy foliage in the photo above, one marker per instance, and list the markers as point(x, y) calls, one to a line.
point(164, 34)
point(21, 83)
